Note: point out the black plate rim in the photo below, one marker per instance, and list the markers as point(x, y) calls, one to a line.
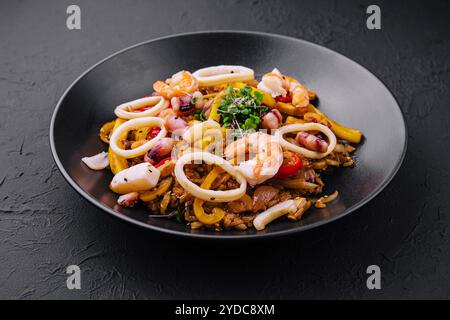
point(222, 235)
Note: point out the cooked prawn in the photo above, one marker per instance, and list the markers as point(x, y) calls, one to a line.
point(180, 84)
point(265, 156)
point(278, 84)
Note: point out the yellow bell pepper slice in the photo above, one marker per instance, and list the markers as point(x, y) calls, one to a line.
point(199, 212)
point(293, 120)
point(142, 133)
point(205, 142)
point(106, 130)
point(214, 114)
point(159, 191)
point(349, 134)
point(268, 100)
point(116, 162)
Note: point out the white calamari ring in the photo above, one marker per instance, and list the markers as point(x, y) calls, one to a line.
point(136, 124)
point(212, 76)
point(306, 127)
point(157, 103)
point(205, 194)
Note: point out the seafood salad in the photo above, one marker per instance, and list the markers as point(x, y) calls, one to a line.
point(219, 149)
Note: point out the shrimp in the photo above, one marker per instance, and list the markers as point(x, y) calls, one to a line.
point(181, 84)
point(265, 156)
point(278, 84)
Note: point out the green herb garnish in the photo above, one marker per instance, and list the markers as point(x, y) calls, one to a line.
point(241, 109)
point(198, 115)
point(178, 214)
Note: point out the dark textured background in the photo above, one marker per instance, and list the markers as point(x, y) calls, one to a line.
point(46, 226)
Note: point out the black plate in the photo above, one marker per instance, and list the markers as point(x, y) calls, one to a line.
point(348, 93)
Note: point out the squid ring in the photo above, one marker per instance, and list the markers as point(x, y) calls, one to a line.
point(205, 194)
point(212, 76)
point(306, 127)
point(136, 124)
point(157, 103)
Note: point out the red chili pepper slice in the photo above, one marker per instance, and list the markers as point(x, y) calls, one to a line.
point(153, 132)
point(290, 166)
point(284, 99)
point(144, 108)
point(159, 164)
